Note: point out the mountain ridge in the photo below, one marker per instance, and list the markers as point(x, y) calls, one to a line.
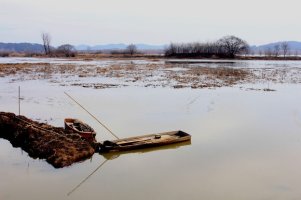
point(118, 46)
point(21, 47)
point(38, 48)
point(293, 46)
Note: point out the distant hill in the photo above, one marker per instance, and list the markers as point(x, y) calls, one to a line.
point(293, 46)
point(21, 47)
point(38, 48)
point(118, 47)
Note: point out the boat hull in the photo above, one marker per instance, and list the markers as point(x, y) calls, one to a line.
point(145, 141)
point(87, 135)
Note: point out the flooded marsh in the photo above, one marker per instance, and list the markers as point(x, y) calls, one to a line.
point(246, 142)
point(151, 73)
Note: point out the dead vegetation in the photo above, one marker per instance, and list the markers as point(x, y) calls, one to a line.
point(148, 74)
point(59, 147)
point(200, 77)
point(96, 85)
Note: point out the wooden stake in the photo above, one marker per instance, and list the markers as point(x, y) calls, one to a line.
point(19, 100)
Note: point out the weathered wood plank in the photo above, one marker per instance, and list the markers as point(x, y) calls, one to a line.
point(145, 141)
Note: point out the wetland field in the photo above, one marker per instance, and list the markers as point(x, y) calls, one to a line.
point(244, 118)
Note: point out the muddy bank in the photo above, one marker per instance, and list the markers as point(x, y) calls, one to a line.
point(59, 147)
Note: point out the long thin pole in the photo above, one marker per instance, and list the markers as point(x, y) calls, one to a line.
point(92, 116)
point(87, 178)
point(19, 99)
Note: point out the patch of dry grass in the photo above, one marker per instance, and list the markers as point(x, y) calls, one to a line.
point(152, 74)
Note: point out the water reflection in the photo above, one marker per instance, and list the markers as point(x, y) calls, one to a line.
point(115, 155)
point(83, 181)
point(247, 144)
point(297, 118)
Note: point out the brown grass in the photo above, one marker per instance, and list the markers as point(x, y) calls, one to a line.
point(59, 147)
point(151, 74)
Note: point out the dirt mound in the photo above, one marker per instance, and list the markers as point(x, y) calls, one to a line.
point(58, 146)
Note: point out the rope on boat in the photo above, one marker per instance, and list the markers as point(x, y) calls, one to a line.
point(92, 116)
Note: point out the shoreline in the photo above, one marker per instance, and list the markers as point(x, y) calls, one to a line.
point(95, 56)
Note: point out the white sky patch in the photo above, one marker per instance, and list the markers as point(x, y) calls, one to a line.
point(154, 22)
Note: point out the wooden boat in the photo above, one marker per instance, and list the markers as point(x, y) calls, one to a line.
point(83, 129)
point(115, 154)
point(145, 141)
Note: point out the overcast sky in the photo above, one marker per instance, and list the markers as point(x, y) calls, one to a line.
point(152, 21)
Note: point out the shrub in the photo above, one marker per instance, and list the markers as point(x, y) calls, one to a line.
point(4, 54)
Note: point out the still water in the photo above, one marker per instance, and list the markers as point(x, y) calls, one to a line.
point(245, 144)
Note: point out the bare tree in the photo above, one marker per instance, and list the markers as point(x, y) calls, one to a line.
point(276, 50)
point(247, 51)
point(170, 50)
point(296, 53)
point(226, 47)
point(285, 48)
point(233, 45)
point(260, 53)
point(66, 50)
point(46, 43)
point(268, 52)
point(131, 49)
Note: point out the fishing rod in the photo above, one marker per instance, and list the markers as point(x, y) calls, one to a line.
point(92, 115)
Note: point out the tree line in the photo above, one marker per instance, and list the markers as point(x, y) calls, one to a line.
point(68, 50)
point(277, 50)
point(131, 49)
point(226, 47)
